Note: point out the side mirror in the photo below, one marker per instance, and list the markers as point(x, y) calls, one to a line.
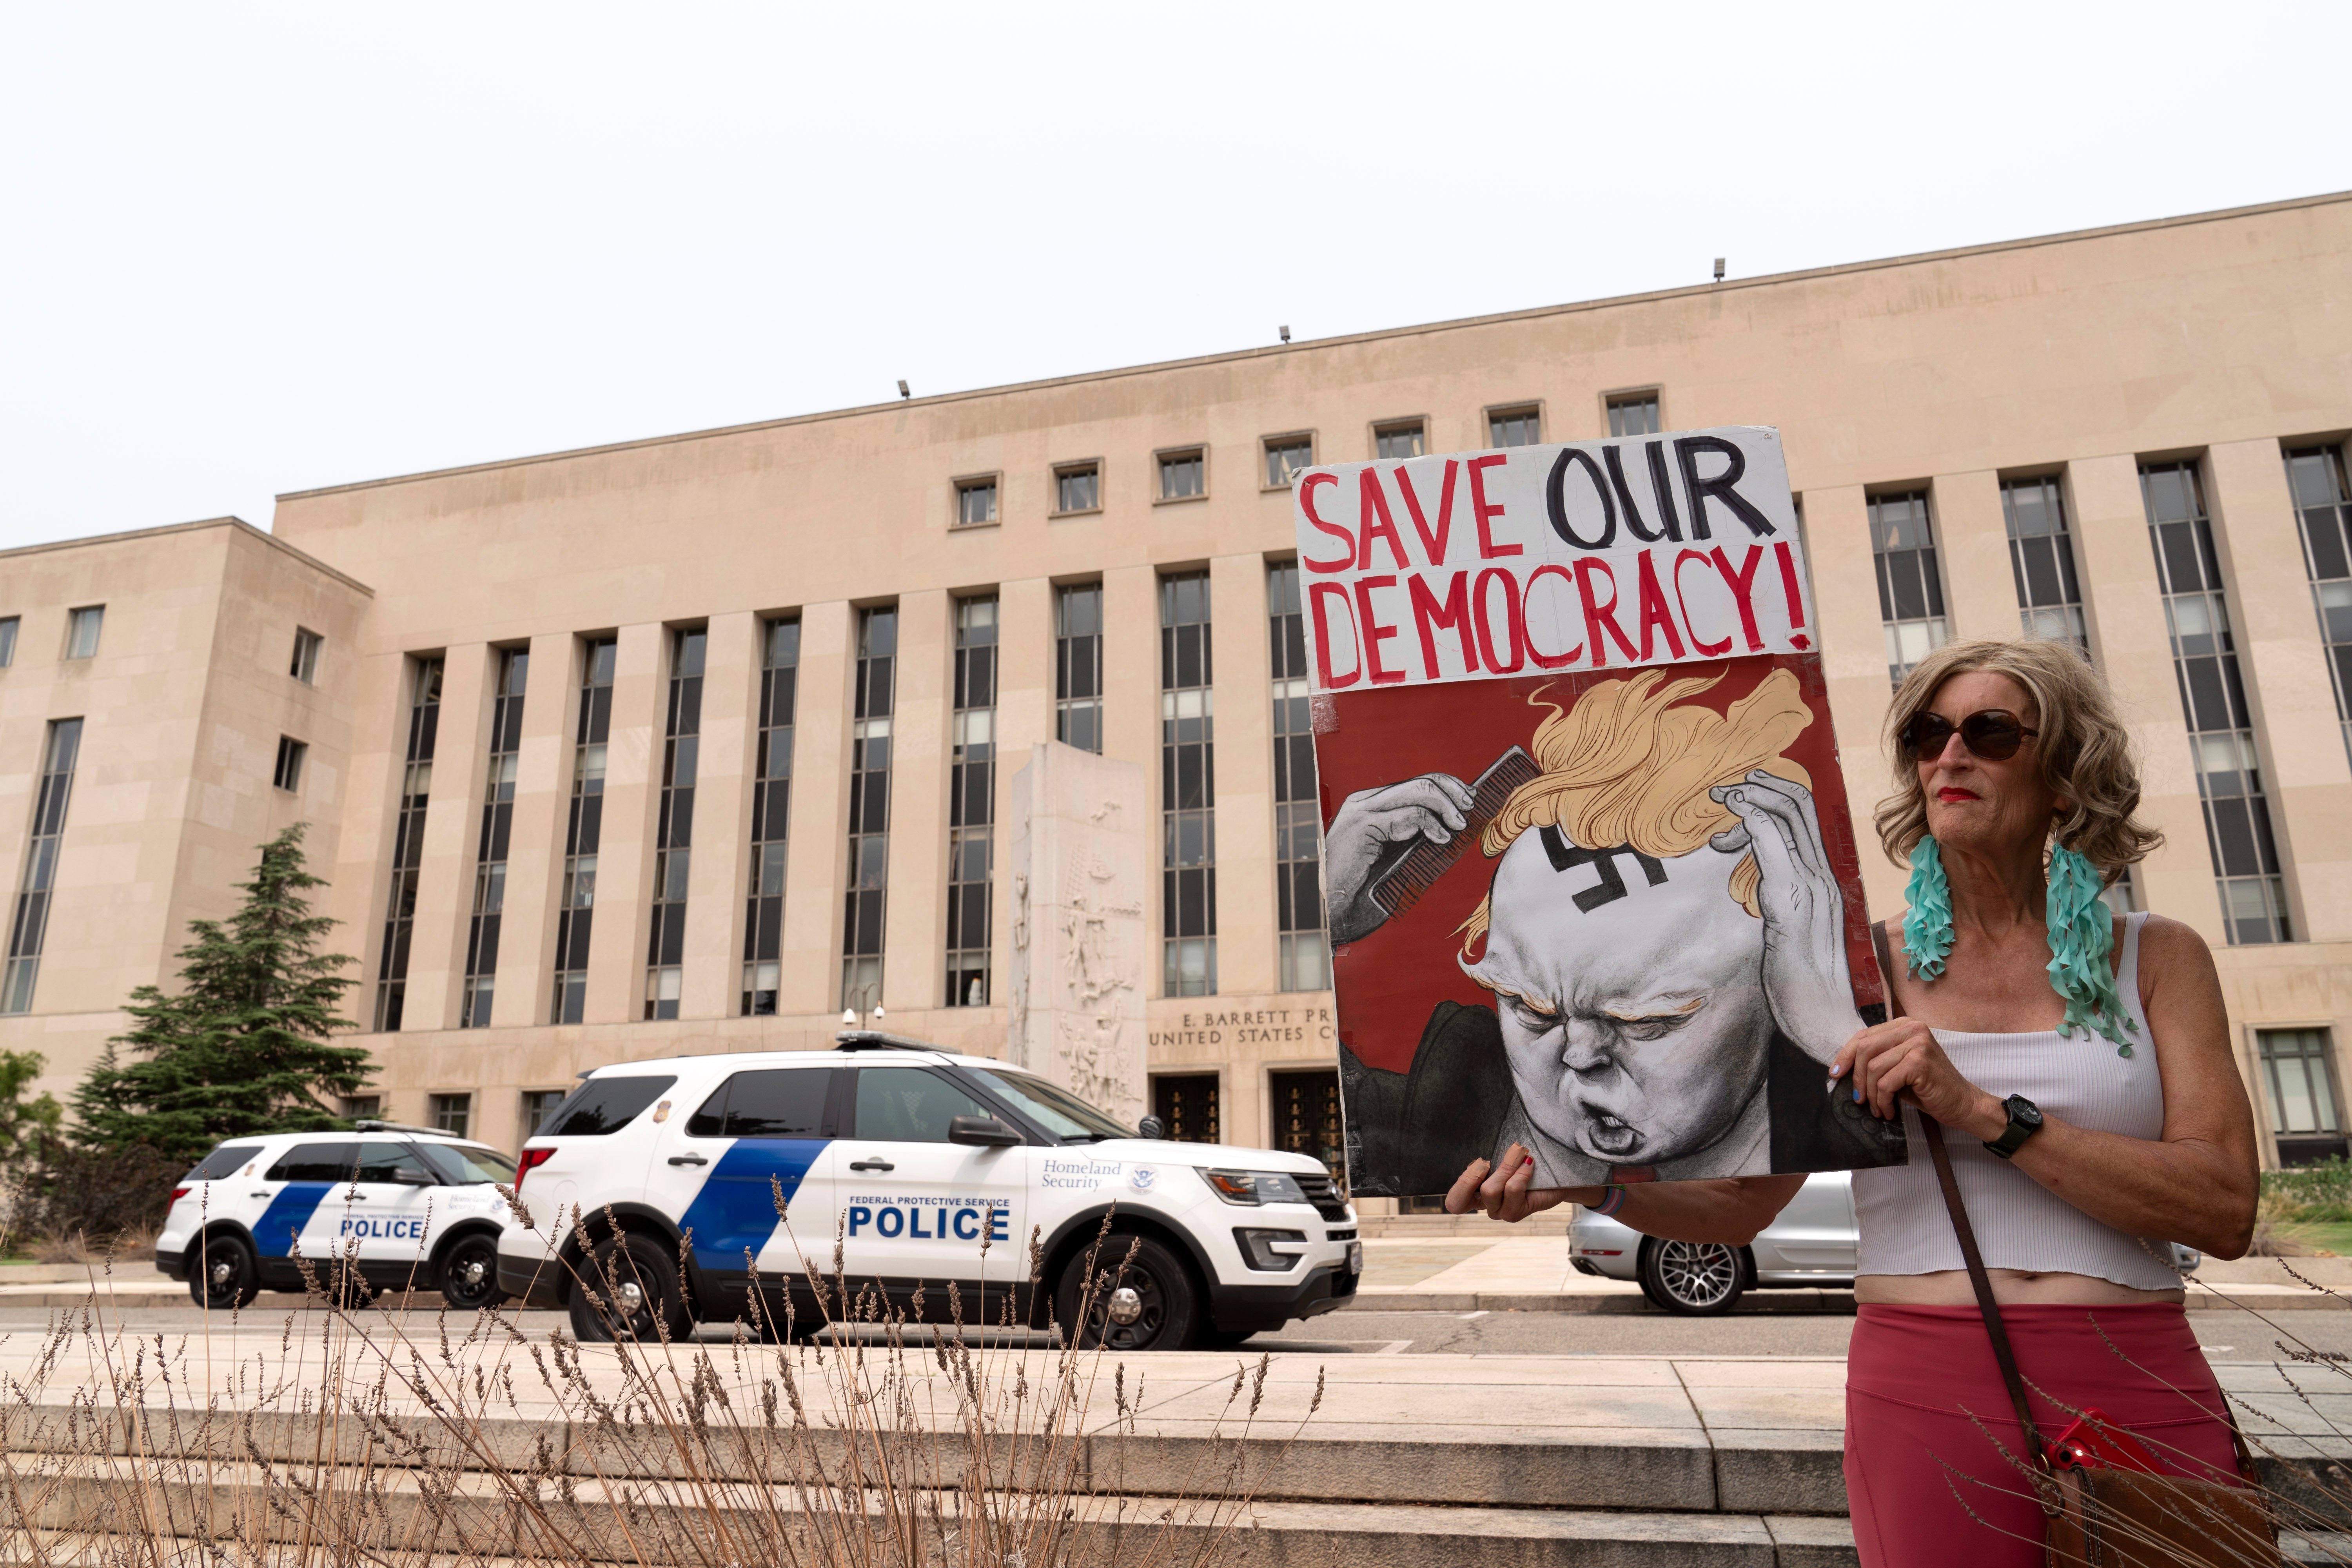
point(403, 1177)
point(982, 1133)
point(1152, 1127)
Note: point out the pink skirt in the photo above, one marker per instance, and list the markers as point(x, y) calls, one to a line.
point(1932, 1444)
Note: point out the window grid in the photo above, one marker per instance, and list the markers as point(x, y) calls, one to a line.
point(37, 885)
point(674, 827)
point(869, 808)
point(772, 814)
point(1286, 458)
point(1078, 667)
point(1635, 416)
point(975, 502)
point(1910, 590)
point(490, 854)
point(305, 667)
point(1306, 960)
point(1513, 427)
point(1395, 443)
point(538, 1104)
point(1184, 476)
point(1077, 489)
point(2323, 506)
point(971, 802)
point(2213, 702)
point(8, 625)
point(2299, 1072)
point(583, 831)
point(408, 843)
point(452, 1113)
point(1188, 789)
point(288, 773)
point(2041, 562)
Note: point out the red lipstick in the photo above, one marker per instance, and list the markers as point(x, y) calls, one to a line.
point(1948, 794)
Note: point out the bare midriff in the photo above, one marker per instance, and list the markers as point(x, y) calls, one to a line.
point(2011, 1287)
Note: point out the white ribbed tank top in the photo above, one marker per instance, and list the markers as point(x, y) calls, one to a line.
point(2020, 1222)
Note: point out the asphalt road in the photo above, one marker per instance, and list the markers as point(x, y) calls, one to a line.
point(2226, 1336)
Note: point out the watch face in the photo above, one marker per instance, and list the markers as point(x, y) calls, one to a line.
point(2025, 1111)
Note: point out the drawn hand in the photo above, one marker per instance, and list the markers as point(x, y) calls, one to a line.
point(1375, 829)
point(1805, 970)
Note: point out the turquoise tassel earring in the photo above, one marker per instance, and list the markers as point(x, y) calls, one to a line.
point(1928, 922)
point(2081, 934)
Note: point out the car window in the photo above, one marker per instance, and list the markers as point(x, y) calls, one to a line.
point(602, 1105)
point(315, 1162)
point(223, 1162)
point(910, 1105)
point(390, 1162)
point(1055, 1108)
point(463, 1163)
point(778, 1102)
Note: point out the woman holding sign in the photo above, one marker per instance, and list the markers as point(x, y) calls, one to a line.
point(2077, 1070)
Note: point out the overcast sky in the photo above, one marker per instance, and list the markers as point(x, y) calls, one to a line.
point(247, 250)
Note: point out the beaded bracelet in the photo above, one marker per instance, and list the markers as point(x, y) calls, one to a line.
point(1613, 1203)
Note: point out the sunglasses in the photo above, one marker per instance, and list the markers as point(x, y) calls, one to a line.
point(1992, 733)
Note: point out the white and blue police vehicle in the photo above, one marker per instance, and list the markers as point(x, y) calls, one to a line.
point(390, 1207)
point(652, 1195)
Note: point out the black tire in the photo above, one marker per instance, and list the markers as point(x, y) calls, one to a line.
point(469, 1273)
point(1166, 1303)
point(1693, 1279)
point(222, 1274)
point(635, 1278)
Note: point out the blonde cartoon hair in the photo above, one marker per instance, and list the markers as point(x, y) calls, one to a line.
point(1624, 765)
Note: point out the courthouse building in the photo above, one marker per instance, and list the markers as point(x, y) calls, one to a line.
point(690, 744)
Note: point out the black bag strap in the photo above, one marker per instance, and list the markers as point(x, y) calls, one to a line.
point(1978, 1279)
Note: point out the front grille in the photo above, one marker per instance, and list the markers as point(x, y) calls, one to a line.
point(1339, 1236)
point(1324, 1195)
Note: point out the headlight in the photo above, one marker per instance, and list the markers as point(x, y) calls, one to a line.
point(1253, 1187)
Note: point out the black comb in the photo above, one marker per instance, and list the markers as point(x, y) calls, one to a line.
point(1425, 862)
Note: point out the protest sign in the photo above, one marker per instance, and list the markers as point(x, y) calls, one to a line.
point(1589, 868)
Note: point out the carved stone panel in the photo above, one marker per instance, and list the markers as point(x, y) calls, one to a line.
point(1079, 853)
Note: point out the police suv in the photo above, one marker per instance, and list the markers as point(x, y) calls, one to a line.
point(402, 1208)
point(927, 1168)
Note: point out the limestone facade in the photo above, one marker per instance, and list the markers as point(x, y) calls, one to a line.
point(2224, 339)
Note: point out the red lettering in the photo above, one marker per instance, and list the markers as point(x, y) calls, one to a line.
point(1655, 611)
point(1374, 520)
point(1307, 504)
point(1743, 588)
point(1430, 617)
point(1549, 661)
point(1487, 549)
point(1789, 583)
point(1373, 632)
point(1316, 594)
point(1511, 622)
point(1600, 617)
point(1711, 649)
point(1435, 545)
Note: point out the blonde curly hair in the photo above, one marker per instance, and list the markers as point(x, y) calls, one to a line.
point(2084, 750)
point(1624, 765)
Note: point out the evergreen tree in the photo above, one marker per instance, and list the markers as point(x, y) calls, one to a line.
point(22, 1122)
point(246, 1044)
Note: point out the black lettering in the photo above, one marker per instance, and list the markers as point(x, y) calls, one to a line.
point(1565, 856)
point(1663, 489)
point(1634, 524)
point(1556, 499)
point(1686, 451)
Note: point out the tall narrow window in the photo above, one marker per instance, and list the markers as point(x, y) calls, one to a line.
point(30, 926)
point(2299, 1074)
point(1297, 815)
point(1394, 442)
point(408, 842)
point(1910, 590)
point(1635, 414)
point(82, 627)
point(771, 817)
point(305, 668)
point(2213, 702)
point(869, 808)
point(971, 802)
point(674, 828)
point(2323, 506)
point(1513, 427)
point(490, 858)
point(1078, 667)
point(7, 640)
point(1188, 790)
point(2041, 560)
point(584, 829)
point(288, 775)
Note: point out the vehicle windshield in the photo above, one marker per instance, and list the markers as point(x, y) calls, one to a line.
point(1057, 1110)
point(459, 1163)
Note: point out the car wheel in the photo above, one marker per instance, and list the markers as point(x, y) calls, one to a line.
point(1695, 1278)
point(469, 1274)
point(1142, 1300)
point(222, 1274)
point(635, 1280)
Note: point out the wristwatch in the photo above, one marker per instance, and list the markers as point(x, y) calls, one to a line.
point(2024, 1122)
